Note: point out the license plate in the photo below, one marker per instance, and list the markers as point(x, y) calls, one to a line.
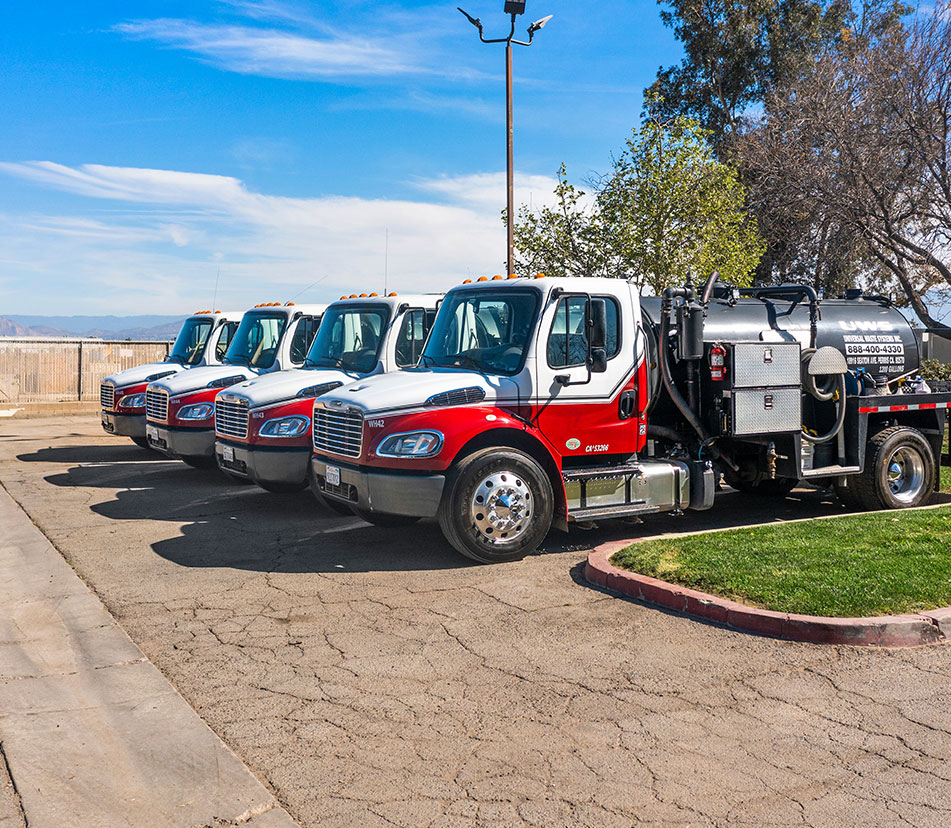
point(333, 476)
point(151, 432)
point(227, 452)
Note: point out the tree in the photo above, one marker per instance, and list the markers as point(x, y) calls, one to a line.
point(860, 142)
point(736, 51)
point(668, 211)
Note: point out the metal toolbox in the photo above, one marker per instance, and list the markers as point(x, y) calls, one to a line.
point(765, 364)
point(765, 411)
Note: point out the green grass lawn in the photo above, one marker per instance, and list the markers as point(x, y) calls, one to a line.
point(859, 565)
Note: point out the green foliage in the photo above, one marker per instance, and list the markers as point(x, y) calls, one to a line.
point(861, 565)
point(932, 369)
point(736, 51)
point(667, 211)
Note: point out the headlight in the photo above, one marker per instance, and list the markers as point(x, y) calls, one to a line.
point(199, 411)
point(411, 444)
point(133, 401)
point(285, 427)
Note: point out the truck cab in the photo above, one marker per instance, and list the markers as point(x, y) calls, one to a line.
point(202, 341)
point(263, 425)
point(180, 409)
point(514, 389)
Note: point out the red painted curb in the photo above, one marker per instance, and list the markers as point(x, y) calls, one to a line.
point(930, 627)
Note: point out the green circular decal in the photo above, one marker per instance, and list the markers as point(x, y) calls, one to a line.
point(573, 444)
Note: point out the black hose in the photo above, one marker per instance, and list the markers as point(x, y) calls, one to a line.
point(664, 433)
point(672, 389)
point(839, 420)
point(712, 279)
point(795, 292)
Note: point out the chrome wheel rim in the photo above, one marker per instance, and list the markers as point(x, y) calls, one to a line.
point(905, 474)
point(501, 507)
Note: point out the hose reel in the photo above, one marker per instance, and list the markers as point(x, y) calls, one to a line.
point(823, 378)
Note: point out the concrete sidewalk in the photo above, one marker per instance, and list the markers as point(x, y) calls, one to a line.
point(91, 733)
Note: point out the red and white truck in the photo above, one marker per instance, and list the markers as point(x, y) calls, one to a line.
point(202, 341)
point(262, 426)
point(541, 402)
point(180, 409)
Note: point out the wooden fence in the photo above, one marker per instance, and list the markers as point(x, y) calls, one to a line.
point(42, 369)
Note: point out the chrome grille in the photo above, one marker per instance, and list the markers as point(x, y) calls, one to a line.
point(156, 405)
point(107, 396)
point(338, 432)
point(231, 417)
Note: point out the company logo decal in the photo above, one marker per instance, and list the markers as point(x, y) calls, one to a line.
point(572, 444)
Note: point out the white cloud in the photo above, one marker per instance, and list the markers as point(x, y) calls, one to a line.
point(273, 52)
point(161, 250)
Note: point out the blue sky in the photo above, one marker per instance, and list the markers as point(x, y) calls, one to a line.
point(148, 145)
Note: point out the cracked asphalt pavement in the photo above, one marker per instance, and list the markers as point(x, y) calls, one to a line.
point(373, 677)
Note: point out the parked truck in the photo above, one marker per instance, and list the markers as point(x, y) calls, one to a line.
point(262, 426)
point(180, 409)
point(541, 402)
point(202, 341)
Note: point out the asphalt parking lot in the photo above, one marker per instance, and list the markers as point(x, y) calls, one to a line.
point(374, 677)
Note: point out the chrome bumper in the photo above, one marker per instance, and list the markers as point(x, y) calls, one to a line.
point(265, 464)
point(377, 491)
point(192, 442)
point(123, 425)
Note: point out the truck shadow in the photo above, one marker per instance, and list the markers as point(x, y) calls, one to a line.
point(226, 524)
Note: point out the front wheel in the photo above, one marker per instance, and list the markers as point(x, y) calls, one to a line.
point(899, 471)
point(497, 506)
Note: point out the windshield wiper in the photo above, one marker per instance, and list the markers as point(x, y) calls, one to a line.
point(463, 361)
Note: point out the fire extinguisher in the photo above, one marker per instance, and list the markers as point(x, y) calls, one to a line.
point(717, 363)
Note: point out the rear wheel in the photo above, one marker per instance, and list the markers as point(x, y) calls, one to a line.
point(899, 471)
point(383, 519)
point(497, 506)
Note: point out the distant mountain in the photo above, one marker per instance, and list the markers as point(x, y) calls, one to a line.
point(101, 327)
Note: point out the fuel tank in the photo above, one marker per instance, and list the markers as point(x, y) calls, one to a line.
point(872, 335)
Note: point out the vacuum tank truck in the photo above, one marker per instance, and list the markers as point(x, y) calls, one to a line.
point(541, 402)
point(262, 426)
point(180, 409)
point(203, 340)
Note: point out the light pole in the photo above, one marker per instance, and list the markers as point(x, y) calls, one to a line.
point(513, 8)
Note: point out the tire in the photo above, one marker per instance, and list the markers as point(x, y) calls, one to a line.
point(282, 488)
point(199, 461)
point(142, 442)
point(779, 487)
point(899, 471)
point(383, 519)
point(481, 480)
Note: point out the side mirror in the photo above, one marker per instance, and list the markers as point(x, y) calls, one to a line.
point(597, 323)
point(598, 361)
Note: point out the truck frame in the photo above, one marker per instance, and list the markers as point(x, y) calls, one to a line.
point(545, 402)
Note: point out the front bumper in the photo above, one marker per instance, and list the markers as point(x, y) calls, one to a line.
point(181, 442)
point(416, 495)
point(123, 425)
point(264, 464)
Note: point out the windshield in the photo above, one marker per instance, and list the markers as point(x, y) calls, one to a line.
point(484, 330)
point(190, 343)
point(257, 339)
point(349, 338)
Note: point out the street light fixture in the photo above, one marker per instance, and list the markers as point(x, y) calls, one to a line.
point(513, 8)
